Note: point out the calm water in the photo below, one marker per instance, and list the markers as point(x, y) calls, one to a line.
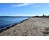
point(5, 21)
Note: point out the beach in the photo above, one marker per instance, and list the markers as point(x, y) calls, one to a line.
point(29, 27)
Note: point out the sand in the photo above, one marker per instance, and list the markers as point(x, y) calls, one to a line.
point(30, 27)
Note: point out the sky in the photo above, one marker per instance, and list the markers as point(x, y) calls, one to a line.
point(24, 9)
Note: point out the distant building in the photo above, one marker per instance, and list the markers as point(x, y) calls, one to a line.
point(43, 15)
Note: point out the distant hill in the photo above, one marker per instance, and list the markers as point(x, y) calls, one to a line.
point(42, 16)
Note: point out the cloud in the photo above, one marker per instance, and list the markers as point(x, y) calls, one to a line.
point(23, 4)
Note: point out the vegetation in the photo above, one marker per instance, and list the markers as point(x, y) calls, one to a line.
point(43, 16)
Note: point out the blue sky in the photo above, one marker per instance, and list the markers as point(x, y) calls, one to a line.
point(24, 9)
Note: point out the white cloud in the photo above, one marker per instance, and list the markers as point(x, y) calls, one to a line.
point(23, 4)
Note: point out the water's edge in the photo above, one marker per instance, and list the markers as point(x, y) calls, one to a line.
point(11, 25)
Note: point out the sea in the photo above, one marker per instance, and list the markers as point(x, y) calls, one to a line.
point(7, 20)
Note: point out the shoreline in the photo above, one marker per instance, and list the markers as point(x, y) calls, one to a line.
point(28, 27)
point(12, 25)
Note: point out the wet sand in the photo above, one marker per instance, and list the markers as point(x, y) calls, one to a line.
point(30, 27)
